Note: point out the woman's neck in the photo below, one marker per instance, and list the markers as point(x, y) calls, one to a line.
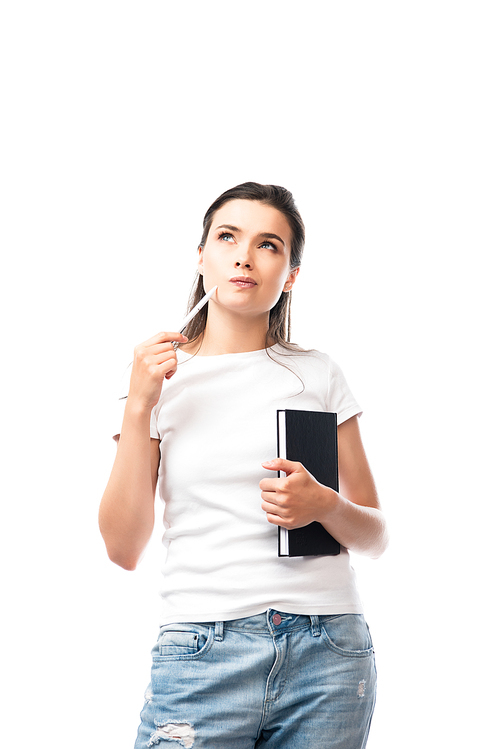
point(232, 334)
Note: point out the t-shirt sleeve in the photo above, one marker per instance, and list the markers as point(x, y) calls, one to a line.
point(340, 398)
point(119, 409)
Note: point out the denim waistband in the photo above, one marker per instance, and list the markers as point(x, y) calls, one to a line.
point(272, 622)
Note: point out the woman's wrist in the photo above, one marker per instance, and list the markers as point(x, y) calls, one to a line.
point(137, 411)
point(328, 504)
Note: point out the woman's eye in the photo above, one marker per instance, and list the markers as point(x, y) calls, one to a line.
point(225, 236)
point(270, 246)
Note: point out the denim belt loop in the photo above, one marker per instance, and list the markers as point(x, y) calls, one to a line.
point(219, 631)
point(315, 625)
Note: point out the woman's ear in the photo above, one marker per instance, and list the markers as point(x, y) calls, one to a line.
point(292, 276)
point(200, 260)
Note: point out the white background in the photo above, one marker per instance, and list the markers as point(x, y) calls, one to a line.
point(121, 122)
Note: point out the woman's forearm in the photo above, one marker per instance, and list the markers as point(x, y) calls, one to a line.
point(126, 513)
point(360, 529)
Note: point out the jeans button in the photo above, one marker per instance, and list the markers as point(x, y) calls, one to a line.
point(276, 619)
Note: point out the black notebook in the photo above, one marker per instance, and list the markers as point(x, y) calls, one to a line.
point(309, 437)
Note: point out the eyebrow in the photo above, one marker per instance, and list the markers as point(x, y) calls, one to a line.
point(263, 234)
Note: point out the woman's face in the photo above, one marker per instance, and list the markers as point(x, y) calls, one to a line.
point(247, 255)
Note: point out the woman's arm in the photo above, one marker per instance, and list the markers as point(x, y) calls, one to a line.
point(352, 515)
point(126, 513)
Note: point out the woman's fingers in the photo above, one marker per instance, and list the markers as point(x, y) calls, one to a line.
point(164, 338)
point(158, 344)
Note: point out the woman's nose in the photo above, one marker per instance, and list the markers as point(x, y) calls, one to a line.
point(242, 264)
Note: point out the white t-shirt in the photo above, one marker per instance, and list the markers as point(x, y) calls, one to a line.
point(216, 419)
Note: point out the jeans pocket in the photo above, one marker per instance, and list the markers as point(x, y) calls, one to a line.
point(348, 634)
point(183, 642)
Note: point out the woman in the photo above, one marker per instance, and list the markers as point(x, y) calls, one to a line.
point(254, 650)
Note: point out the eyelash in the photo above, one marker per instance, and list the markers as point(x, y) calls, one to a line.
point(228, 234)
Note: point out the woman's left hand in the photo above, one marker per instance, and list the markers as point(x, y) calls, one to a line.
point(296, 499)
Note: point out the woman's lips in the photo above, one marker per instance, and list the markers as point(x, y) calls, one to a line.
point(244, 282)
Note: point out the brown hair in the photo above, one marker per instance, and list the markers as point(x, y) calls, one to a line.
point(283, 201)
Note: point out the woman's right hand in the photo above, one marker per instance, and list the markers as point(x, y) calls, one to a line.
point(154, 361)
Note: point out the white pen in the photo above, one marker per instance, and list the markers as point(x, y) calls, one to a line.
point(197, 308)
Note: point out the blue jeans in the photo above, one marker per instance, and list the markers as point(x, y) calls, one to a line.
point(275, 680)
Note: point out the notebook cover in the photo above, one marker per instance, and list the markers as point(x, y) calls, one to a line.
point(311, 439)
